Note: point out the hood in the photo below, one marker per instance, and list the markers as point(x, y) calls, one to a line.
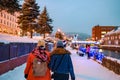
point(60, 51)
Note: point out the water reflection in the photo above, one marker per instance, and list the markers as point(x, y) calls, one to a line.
point(112, 54)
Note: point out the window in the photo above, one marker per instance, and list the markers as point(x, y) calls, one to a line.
point(4, 15)
point(103, 32)
point(8, 17)
point(1, 14)
point(102, 36)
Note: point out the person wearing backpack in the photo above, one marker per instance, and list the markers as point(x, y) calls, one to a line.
point(60, 63)
point(37, 63)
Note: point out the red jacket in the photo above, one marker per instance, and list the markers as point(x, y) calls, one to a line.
point(28, 69)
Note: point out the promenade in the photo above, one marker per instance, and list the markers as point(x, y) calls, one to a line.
point(85, 69)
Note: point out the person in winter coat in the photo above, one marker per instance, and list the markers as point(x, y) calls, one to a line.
point(88, 51)
point(61, 63)
point(28, 72)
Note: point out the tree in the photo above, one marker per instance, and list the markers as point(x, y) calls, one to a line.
point(10, 6)
point(44, 23)
point(28, 16)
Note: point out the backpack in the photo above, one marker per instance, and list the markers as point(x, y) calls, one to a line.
point(39, 68)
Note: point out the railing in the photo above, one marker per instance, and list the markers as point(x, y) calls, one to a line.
point(113, 65)
point(12, 50)
point(13, 55)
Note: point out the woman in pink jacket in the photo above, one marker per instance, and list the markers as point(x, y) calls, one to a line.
point(88, 51)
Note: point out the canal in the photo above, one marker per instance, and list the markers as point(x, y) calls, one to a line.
point(113, 54)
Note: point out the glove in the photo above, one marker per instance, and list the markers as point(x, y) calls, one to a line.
point(26, 75)
point(73, 78)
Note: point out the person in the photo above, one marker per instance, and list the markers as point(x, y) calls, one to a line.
point(37, 52)
point(64, 43)
point(88, 51)
point(61, 63)
point(50, 46)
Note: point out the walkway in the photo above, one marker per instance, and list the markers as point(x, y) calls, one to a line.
point(88, 69)
point(84, 70)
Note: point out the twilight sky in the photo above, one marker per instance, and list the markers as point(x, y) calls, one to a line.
point(82, 15)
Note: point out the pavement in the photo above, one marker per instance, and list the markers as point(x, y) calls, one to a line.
point(88, 69)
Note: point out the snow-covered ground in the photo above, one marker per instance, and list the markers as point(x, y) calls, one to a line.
point(85, 69)
point(6, 38)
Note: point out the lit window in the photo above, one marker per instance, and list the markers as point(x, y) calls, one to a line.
point(116, 42)
point(103, 32)
point(102, 36)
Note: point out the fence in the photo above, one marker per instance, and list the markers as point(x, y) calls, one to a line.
point(13, 55)
point(111, 65)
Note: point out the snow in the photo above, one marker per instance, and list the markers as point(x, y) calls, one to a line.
point(85, 69)
point(5, 38)
point(87, 42)
point(110, 45)
point(113, 59)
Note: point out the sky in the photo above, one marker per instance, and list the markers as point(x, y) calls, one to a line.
point(81, 15)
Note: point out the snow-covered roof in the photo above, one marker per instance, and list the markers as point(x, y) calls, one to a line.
point(118, 30)
point(5, 38)
point(111, 32)
point(114, 31)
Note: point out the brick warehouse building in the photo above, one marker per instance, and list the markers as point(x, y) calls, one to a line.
point(98, 32)
point(113, 37)
point(111, 41)
point(8, 23)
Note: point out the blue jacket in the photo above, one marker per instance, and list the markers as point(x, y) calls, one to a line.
point(61, 62)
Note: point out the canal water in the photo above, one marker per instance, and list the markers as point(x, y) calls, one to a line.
point(113, 54)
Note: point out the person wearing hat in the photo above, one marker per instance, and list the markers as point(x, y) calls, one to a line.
point(40, 53)
point(60, 63)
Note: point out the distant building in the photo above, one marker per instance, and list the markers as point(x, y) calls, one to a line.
point(112, 38)
point(8, 23)
point(98, 32)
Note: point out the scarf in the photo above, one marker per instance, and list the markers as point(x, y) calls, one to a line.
point(40, 53)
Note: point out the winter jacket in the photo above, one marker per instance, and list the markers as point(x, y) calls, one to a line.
point(88, 49)
point(61, 57)
point(29, 72)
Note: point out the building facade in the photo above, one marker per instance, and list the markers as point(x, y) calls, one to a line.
point(8, 23)
point(98, 32)
point(112, 38)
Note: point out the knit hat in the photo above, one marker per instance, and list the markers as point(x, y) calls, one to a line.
point(41, 43)
point(60, 44)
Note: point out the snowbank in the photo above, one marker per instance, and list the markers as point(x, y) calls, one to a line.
point(5, 38)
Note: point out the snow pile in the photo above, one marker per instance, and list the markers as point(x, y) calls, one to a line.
point(5, 38)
